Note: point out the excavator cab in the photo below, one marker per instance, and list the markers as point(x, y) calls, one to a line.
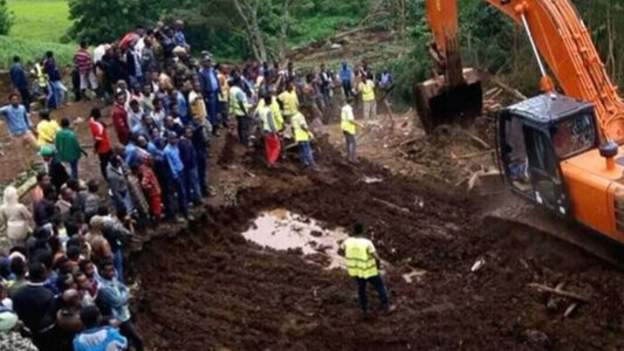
point(534, 137)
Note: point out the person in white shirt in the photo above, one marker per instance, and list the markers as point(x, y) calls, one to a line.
point(349, 126)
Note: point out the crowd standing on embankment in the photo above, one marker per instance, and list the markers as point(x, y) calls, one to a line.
point(63, 267)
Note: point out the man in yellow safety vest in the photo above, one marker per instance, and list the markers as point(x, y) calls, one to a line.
point(349, 126)
point(302, 137)
point(362, 265)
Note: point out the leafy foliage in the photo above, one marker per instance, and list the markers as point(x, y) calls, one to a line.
point(101, 21)
point(6, 18)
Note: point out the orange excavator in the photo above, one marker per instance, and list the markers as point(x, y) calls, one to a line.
point(557, 150)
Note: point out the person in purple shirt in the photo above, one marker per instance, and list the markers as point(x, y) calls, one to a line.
point(50, 68)
point(211, 89)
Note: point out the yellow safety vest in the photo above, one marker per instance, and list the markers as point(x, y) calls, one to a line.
point(277, 113)
point(235, 103)
point(290, 101)
point(298, 122)
point(266, 113)
point(360, 263)
point(346, 120)
point(368, 90)
point(42, 78)
point(225, 88)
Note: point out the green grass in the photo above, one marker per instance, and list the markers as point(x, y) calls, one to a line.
point(39, 26)
point(30, 50)
point(43, 20)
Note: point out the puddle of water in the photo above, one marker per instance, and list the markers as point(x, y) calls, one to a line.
point(283, 230)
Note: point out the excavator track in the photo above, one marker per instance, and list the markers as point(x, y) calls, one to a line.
point(519, 212)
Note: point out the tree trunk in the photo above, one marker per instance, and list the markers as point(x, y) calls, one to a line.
point(248, 12)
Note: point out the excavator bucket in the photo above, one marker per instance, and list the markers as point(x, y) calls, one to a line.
point(438, 103)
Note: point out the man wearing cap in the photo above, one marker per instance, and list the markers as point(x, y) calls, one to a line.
point(211, 90)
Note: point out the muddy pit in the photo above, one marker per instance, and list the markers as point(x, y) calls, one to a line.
point(210, 288)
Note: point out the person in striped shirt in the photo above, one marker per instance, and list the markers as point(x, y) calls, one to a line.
point(84, 66)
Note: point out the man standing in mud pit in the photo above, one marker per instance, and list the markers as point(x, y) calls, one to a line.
point(362, 264)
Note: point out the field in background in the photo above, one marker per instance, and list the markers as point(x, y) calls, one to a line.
point(43, 20)
point(39, 26)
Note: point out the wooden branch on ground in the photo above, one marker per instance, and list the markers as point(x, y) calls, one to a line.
point(391, 205)
point(517, 94)
point(560, 292)
point(473, 155)
point(476, 139)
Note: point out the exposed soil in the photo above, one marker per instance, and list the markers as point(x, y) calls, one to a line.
point(209, 289)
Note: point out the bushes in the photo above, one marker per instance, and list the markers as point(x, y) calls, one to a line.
point(6, 18)
point(30, 50)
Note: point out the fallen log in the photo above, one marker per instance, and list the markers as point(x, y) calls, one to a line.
point(477, 140)
point(517, 94)
point(391, 205)
point(560, 292)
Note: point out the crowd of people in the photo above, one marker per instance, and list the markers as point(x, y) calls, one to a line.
point(63, 272)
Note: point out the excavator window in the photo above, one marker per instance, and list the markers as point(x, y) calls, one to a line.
point(573, 135)
point(530, 158)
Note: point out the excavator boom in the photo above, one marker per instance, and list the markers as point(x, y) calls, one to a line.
point(562, 40)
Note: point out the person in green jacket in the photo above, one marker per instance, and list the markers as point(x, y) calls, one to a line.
point(68, 147)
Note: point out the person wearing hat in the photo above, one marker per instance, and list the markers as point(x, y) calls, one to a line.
point(15, 217)
point(10, 338)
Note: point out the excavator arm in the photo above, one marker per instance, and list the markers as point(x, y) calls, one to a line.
point(557, 34)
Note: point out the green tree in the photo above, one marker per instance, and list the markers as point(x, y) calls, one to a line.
point(6, 18)
point(101, 21)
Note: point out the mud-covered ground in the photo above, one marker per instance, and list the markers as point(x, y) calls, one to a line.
point(210, 289)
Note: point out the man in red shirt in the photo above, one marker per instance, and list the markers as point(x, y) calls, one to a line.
point(120, 118)
point(100, 137)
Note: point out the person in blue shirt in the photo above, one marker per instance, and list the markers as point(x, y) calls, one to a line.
point(113, 296)
point(210, 89)
point(176, 181)
point(346, 76)
point(96, 337)
point(18, 121)
point(182, 105)
point(20, 81)
point(178, 37)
